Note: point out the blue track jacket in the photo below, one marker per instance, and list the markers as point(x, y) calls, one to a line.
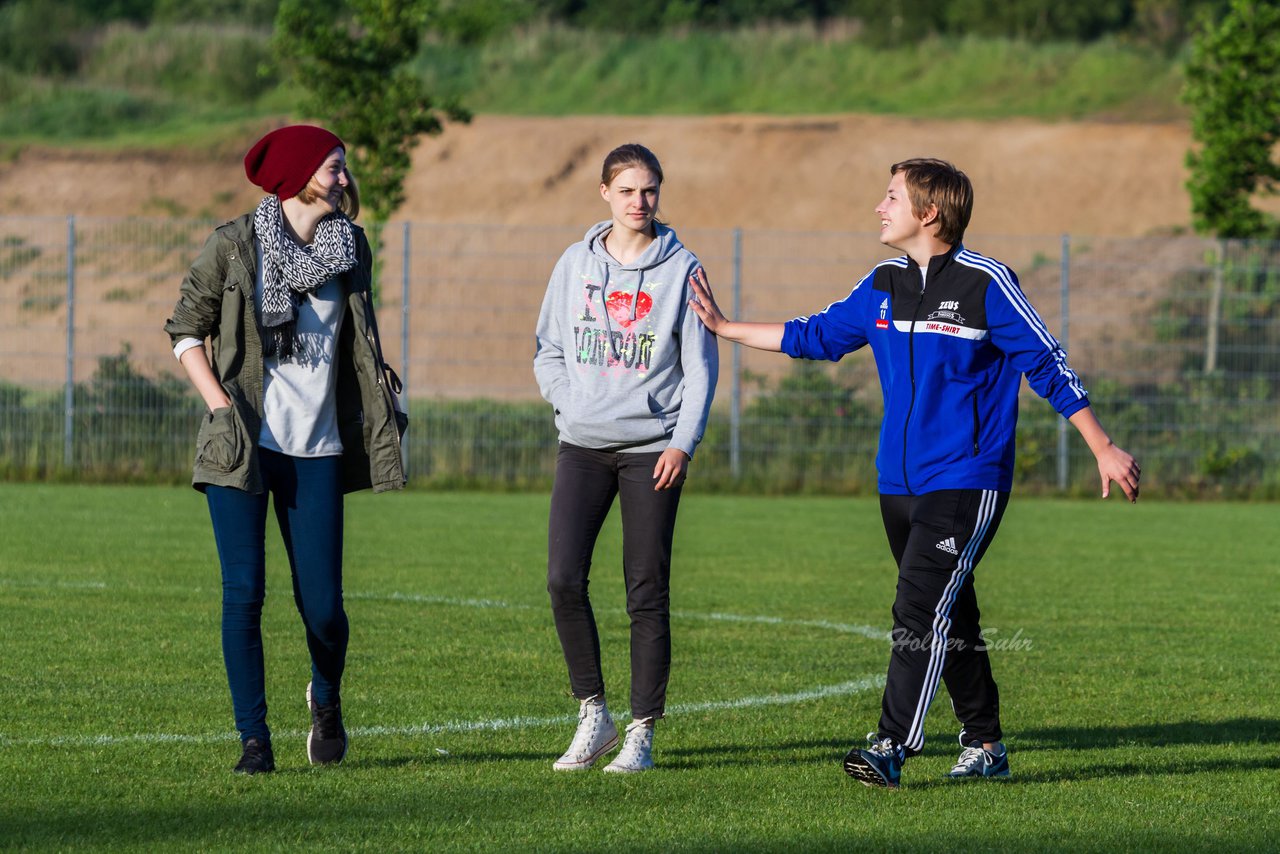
point(950, 355)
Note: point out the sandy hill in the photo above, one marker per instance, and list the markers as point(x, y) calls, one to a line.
point(823, 173)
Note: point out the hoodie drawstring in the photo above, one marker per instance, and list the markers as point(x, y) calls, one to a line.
point(635, 298)
point(604, 300)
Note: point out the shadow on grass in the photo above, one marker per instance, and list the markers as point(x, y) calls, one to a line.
point(1152, 763)
point(810, 752)
point(675, 759)
point(500, 756)
point(1176, 765)
point(1194, 733)
point(1233, 731)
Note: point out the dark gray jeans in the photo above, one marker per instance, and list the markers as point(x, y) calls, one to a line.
point(586, 483)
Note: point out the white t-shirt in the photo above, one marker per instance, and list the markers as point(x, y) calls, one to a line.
point(299, 402)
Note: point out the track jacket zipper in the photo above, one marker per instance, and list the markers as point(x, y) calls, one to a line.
point(911, 364)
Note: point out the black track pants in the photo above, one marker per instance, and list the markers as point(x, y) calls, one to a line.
point(937, 540)
point(586, 484)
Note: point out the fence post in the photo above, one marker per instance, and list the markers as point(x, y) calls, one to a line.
point(406, 257)
point(404, 313)
point(735, 403)
point(69, 400)
point(1215, 308)
point(1064, 292)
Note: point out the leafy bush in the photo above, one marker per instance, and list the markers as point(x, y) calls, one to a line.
point(1248, 312)
point(40, 36)
point(1233, 88)
point(811, 432)
point(130, 426)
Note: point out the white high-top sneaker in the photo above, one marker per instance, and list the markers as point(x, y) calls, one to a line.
point(595, 737)
point(637, 750)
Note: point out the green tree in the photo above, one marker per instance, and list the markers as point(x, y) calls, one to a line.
point(351, 60)
point(1233, 88)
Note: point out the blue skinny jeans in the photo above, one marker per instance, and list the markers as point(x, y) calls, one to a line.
point(307, 496)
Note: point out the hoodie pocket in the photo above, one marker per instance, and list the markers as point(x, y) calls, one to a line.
point(613, 420)
point(220, 444)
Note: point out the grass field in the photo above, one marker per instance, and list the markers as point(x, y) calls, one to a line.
point(1136, 653)
point(783, 70)
point(202, 87)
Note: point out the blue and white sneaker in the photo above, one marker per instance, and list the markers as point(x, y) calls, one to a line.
point(877, 765)
point(977, 761)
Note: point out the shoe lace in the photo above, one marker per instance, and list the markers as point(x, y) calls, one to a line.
point(881, 746)
point(968, 757)
point(328, 720)
point(636, 743)
point(590, 715)
point(638, 734)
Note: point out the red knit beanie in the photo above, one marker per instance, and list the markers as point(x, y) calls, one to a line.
point(283, 161)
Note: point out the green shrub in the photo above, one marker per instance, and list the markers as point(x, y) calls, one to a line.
point(214, 65)
point(798, 69)
point(813, 431)
point(72, 112)
point(40, 36)
point(253, 13)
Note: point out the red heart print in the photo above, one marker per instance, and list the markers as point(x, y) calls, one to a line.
point(619, 306)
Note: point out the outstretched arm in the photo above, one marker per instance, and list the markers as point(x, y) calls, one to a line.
point(1114, 463)
point(762, 336)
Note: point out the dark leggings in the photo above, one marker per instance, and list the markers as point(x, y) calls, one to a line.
point(586, 483)
point(937, 540)
point(308, 508)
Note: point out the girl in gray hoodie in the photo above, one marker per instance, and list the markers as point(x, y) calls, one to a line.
point(630, 372)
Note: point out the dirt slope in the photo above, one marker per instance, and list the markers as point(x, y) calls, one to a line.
point(751, 171)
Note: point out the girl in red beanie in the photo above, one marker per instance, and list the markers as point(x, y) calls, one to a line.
point(297, 409)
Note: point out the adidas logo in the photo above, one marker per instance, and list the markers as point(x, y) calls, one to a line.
point(948, 545)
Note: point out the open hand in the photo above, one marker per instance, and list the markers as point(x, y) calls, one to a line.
point(704, 304)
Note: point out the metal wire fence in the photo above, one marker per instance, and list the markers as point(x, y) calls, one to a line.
point(1178, 340)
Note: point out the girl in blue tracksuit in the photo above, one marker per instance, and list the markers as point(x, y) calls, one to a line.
point(952, 335)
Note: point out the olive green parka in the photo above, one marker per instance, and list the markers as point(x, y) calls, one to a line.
point(216, 301)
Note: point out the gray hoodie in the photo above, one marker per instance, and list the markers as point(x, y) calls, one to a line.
point(624, 361)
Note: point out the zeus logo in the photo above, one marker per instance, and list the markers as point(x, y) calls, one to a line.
point(949, 305)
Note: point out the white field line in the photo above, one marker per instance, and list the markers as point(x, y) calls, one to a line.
point(843, 689)
point(843, 628)
point(41, 584)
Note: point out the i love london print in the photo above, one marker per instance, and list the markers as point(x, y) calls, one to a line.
point(623, 340)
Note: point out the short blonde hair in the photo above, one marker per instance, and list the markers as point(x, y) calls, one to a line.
point(350, 204)
point(932, 182)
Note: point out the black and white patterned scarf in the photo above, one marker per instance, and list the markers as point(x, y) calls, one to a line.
point(290, 271)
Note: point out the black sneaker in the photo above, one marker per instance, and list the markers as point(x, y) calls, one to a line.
point(327, 741)
point(880, 764)
point(257, 757)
